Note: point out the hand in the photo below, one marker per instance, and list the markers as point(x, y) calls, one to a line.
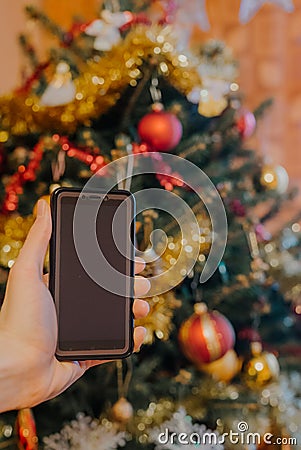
point(29, 371)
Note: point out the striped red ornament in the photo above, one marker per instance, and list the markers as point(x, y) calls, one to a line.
point(206, 336)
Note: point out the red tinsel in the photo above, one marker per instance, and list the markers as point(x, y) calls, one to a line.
point(165, 176)
point(15, 187)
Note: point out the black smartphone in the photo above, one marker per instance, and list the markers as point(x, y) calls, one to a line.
point(93, 296)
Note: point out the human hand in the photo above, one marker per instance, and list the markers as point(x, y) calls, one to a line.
point(29, 371)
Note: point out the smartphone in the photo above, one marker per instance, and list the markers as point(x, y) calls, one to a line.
point(95, 319)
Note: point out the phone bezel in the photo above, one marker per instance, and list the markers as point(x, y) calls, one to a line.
point(54, 273)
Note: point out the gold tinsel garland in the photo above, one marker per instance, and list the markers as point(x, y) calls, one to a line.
point(13, 232)
point(101, 84)
point(158, 323)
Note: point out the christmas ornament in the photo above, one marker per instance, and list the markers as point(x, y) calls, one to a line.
point(218, 71)
point(122, 410)
point(106, 30)
point(26, 430)
point(245, 123)
point(161, 130)
point(262, 368)
point(224, 368)
point(268, 178)
point(206, 336)
point(248, 8)
point(61, 89)
point(274, 178)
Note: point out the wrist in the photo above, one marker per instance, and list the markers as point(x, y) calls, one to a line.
point(15, 389)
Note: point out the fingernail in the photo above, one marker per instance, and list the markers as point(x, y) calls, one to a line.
point(41, 208)
point(144, 331)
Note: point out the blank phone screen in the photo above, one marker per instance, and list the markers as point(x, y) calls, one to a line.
point(90, 317)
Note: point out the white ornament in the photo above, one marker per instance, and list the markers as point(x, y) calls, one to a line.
point(248, 8)
point(282, 179)
point(217, 88)
point(106, 29)
point(61, 89)
point(216, 73)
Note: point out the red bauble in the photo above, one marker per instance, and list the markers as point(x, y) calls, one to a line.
point(161, 130)
point(245, 123)
point(206, 336)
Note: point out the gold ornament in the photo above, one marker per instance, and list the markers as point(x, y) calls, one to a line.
point(210, 107)
point(122, 410)
point(268, 177)
point(274, 178)
point(225, 368)
point(262, 368)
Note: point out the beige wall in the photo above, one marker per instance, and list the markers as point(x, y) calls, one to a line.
point(269, 51)
point(12, 22)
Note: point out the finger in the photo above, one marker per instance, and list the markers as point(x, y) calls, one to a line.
point(139, 264)
point(34, 249)
point(139, 336)
point(140, 308)
point(142, 286)
point(46, 279)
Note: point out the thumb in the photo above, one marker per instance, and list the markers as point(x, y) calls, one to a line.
point(34, 249)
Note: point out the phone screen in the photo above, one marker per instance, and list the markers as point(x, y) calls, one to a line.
point(89, 317)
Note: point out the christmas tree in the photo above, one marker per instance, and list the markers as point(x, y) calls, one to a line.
point(127, 88)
